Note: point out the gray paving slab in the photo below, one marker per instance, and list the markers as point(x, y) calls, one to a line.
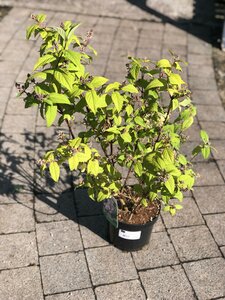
point(159, 252)
point(158, 226)
point(20, 198)
point(22, 283)
point(86, 294)
point(207, 277)
point(208, 174)
point(193, 243)
point(110, 265)
point(94, 231)
point(215, 130)
point(18, 124)
point(221, 164)
point(54, 207)
point(203, 97)
point(18, 250)
point(210, 199)
point(216, 224)
point(127, 290)
point(210, 113)
point(167, 283)
point(223, 250)
point(202, 83)
point(64, 272)
point(16, 218)
point(188, 216)
point(58, 237)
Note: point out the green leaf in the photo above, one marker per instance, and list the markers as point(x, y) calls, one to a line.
point(54, 170)
point(60, 31)
point(41, 18)
point(170, 185)
point(46, 59)
point(138, 168)
point(59, 98)
point(65, 79)
point(93, 50)
point(50, 114)
point(92, 98)
point(177, 66)
point(98, 81)
point(176, 79)
point(179, 195)
point(112, 86)
point(117, 100)
point(130, 88)
point(93, 167)
point(73, 162)
point(126, 137)
point(129, 109)
point(205, 151)
point(178, 206)
point(187, 123)
point(155, 83)
point(182, 159)
point(163, 63)
point(196, 150)
point(204, 136)
point(30, 31)
point(73, 56)
point(139, 121)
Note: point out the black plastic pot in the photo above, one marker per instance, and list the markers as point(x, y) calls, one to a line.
point(131, 237)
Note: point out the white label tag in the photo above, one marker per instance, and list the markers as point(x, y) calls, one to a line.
point(129, 235)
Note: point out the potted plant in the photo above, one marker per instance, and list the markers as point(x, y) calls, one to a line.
point(129, 156)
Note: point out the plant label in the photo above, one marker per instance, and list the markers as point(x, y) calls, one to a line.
point(129, 235)
point(110, 210)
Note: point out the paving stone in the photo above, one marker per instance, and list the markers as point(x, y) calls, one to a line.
point(22, 283)
point(181, 38)
point(210, 113)
point(209, 174)
point(202, 83)
point(216, 224)
point(20, 198)
point(18, 124)
point(127, 290)
point(193, 132)
point(198, 59)
point(58, 237)
point(64, 272)
point(220, 146)
point(210, 199)
point(187, 216)
point(203, 48)
point(17, 143)
point(207, 277)
point(223, 250)
point(158, 226)
point(205, 98)
point(221, 164)
point(18, 250)
point(108, 265)
point(193, 243)
point(84, 205)
point(16, 107)
point(4, 94)
point(215, 130)
point(166, 283)
point(86, 294)
point(187, 149)
point(7, 80)
point(94, 231)
point(16, 218)
point(159, 252)
point(203, 72)
point(54, 207)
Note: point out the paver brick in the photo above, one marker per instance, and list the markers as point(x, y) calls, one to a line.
point(94, 231)
point(20, 198)
point(109, 265)
point(187, 216)
point(203, 72)
point(209, 174)
point(159, 252)
point(64, 272)
point(221, 164)
point(86, 294)
point(18, 250)
point(15, 143)
point(18, 124)
point(202, 83)
point(199, 59)
point(210, 199)
point(216, 224)
point(127, 290)
point(158, 226)
point(166, 283)
point(54, 207)
point(193, 243)
point(206, 98)
point(210, 113)
point(215, 130)
point(16, 218)
point(22, 283)
point(207, 277)
point(58, 237)
point(223, 250)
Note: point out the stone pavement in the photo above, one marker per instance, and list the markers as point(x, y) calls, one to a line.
point(53, 242)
